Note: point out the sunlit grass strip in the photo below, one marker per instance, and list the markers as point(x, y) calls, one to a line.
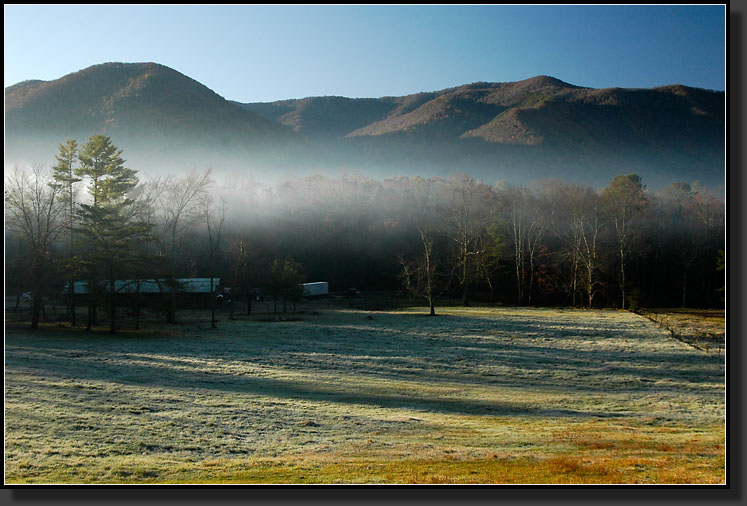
point(525, 470)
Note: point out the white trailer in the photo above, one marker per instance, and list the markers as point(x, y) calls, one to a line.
point(315, 289)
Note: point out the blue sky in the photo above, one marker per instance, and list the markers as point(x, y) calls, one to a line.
point(264, 53)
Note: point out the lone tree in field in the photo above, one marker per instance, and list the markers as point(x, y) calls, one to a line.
point(34, 212)
point(108, 223)
point(624, 202)
point(420, 276)
point(64, 181)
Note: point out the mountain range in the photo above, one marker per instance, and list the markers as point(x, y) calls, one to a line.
point(520, 131)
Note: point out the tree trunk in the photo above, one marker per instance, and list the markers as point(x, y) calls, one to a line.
point(465, 276)
point(518, 279)
point(574, 281)
point(72, 306)
point(490, 285)
point(91, 316)
point(171, 312)
point(248, 304)
point(531, 277)
point(72, 302)
point(72, 256)
point(212, 304)
point(35, 309)
point(622, 275)
point(170, 299)
point(137, 306)
point(112, 305)
point(89, 313)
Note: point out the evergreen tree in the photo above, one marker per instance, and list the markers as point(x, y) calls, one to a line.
point(64, 180)
point(109, 223)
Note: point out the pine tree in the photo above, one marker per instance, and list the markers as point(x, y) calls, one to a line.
point(108, 224)
point(64, 180)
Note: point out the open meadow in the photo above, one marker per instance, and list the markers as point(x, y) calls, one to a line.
point(474, 395)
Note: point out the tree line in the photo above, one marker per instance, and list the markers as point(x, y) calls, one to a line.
point(91, 218)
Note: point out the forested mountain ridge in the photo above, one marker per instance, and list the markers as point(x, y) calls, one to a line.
point(540, 126)
point(530, 129)
point(156, 113)
point(127, 96)
point(540, 109)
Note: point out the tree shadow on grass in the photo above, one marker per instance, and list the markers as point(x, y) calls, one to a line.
point(399, 347)
point(536, 367)
point(157, 376)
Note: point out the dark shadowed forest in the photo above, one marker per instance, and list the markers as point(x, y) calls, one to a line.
point(91, 218)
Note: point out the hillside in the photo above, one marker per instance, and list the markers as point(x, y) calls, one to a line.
point(143, 106)
point(540, 110)
point(538, 127)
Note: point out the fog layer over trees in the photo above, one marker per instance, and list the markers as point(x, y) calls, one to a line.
point(551, 243)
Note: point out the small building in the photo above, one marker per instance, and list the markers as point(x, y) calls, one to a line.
point(148, 291)
point(316, 289)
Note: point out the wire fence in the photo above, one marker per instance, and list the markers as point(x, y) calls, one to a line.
point(683, 330)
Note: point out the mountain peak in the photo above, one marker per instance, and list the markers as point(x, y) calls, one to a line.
point(137, 103)
point(129, 66)
point(103, 85)
point(543, 81)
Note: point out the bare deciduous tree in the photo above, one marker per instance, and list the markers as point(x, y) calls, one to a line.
point(466, 219)
point(181, 205)
point(214, 220)
point(34, 210)
point(421, 275)
point(624, 201)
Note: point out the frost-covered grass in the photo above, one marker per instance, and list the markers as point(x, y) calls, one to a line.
point(475, 395)
point(703, 328)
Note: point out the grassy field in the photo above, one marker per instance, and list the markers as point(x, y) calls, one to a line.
point(702, 328)
point(475, 395)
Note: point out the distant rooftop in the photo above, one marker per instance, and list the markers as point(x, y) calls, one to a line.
point(187, 285)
